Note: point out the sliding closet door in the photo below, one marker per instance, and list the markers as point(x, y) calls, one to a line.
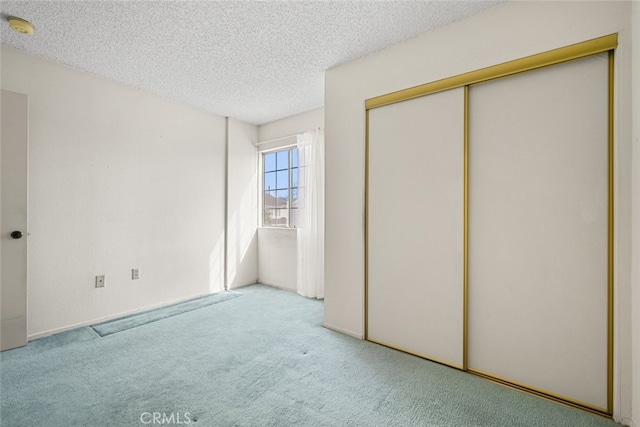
point(538, 218)
point(415, 226)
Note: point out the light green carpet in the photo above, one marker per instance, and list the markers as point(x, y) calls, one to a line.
point(139, 319)
point(259, 360)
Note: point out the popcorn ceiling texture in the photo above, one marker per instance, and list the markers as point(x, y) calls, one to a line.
point(253, 61)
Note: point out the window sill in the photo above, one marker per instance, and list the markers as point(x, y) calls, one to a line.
point(270, 227)
point(278, 228)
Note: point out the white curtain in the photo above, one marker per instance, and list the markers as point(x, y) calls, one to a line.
point(311, 214)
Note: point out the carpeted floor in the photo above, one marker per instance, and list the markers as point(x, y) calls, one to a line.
point(139, 319)
point(261, 359)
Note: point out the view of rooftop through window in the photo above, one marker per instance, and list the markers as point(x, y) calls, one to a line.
point(280, 188)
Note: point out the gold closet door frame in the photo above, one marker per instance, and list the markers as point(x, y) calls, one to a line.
point(591, 47)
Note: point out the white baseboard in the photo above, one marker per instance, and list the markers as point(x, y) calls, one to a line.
point(627, 422)
point(232, 288)
point(284, 288)
point(343, 331)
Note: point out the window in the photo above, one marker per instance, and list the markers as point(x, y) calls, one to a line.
point(280, 188)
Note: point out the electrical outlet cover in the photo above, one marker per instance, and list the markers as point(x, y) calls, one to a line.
point(99, 281)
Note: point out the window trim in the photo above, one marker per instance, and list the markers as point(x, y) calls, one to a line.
point(289, 148)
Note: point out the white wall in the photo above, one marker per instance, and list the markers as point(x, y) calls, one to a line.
point(242, 219)
point(277, 259)
point(635, 304)
point(290, 126)
point(277, 252)
point(119, 179)
point(509, 31)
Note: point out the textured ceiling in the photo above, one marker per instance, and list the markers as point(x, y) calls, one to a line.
point(253, 61)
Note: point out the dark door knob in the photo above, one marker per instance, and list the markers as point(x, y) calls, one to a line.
point(16, 234)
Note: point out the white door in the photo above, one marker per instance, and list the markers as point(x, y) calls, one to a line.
point(13, 282)
point(415, 226)
point(538, 218)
